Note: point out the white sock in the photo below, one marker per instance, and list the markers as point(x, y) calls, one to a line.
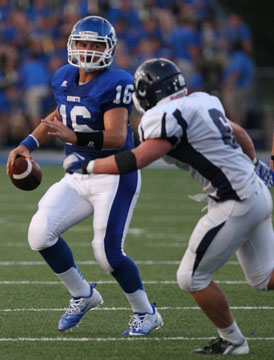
point(139, 302)
point(74, 282)
point(231, 333)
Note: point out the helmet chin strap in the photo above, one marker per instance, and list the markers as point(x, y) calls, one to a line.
point(87, 70)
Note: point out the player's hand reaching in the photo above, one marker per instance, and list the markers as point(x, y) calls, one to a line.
point(75, 163)
point(57, 128)
point(265, 173)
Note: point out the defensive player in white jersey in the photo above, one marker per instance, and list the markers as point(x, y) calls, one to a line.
point(93, 104)
point(192, 132)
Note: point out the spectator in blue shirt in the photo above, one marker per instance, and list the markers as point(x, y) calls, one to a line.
point(37, 9)
point(16, 30)
point(151, 28)
point(35, 79)
point(123, 59)
point(199, 8)
point(6, 7)
point(124, 10)
point(237, 84)
point(185, 46)
point(80, 7)
point(237, 30)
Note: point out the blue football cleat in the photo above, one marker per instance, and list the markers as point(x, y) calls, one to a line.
point(78, 307)
point(143, 324)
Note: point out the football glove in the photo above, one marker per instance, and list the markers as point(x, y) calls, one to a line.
point(265, 173)
point(75, 163)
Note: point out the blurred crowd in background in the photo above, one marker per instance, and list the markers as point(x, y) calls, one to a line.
point(211, 45)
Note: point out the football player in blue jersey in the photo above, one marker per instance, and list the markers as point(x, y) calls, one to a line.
point(93, 102)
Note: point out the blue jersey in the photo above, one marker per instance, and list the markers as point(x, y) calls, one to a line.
point(82, 107)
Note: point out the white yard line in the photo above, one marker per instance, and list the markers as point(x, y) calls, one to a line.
point(107, 282)
point(147, 262)
point(85, 339)
point(163, 308)
point(154, 244)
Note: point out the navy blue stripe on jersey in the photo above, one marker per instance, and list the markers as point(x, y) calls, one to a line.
point(204, 244)
point(172, 139)
point(163, 127)
point(186, 153)
point(142, 134)
point(119, 212)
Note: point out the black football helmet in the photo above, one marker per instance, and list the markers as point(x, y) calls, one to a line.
point(154, 80)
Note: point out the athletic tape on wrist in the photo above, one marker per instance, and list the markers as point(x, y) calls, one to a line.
point(90, 166)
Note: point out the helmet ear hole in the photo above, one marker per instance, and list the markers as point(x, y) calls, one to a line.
point(142, 90)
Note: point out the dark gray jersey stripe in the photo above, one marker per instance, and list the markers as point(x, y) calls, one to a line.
point(163, 127)
point(172, 139)
point(186, 153)
point(204, 244)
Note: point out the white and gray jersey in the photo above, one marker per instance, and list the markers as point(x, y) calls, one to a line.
point(203, 144)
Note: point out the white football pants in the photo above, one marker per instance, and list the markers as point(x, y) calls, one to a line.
point(241, 227)
point(109, 198)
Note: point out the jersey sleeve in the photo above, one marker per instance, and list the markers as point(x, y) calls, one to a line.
point(119, 91)
point(160, 125)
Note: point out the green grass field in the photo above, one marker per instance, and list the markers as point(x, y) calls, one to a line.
point(32, 299)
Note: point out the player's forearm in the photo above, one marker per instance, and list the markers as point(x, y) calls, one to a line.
point(100, 139)
point(41, 132)
point(37, 137)
point(244, 141)
point(127, 161)
point(103, 166)
point(114, 140)
point(115, 128)
point(121, 163)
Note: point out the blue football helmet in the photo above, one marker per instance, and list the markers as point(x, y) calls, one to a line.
point(96, 29)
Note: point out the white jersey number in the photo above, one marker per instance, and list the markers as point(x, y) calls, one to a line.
point(76, 111)
point(127, 96)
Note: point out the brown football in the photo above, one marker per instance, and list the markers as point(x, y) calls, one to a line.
point(26, 174)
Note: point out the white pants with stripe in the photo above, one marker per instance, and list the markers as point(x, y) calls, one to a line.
point(109, 198)
point(230, 227)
